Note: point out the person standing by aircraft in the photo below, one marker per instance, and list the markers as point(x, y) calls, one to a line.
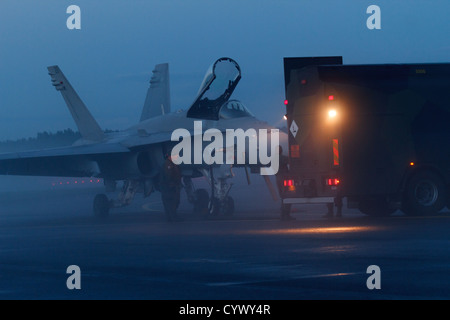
point(170, 185)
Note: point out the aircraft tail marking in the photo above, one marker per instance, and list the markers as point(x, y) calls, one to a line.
point(88, 127)
point(157, 101)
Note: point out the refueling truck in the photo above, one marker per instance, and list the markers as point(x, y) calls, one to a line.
point(376, 135)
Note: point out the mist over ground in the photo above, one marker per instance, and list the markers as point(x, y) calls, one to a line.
point(110, 59)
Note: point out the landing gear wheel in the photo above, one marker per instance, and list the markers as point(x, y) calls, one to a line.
point(101, 206)
point(214, 206)
point(425, 194)
point(228, 206)
point(201, 203)
point(170, 197)
point(225, 207)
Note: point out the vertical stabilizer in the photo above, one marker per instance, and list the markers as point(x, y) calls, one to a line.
point(157, 101)
point(88, 127)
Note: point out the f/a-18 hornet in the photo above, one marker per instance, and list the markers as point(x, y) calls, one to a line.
point(209, 138)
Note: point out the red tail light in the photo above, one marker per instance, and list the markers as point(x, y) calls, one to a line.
point(333, 182)
point(288, 183)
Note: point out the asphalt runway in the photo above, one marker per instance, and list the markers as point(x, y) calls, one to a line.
point(136, 254)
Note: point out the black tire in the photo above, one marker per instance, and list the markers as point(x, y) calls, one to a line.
point(425, 194)
point(101, 206)
point(214, 207)
point(201, 202)
point(376, 207)
point(228, 207)
point(171, 199)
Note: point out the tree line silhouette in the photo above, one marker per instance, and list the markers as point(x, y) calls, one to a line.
point(42, 140)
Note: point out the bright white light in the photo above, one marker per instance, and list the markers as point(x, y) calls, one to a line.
point(332, 113)
point(284, 117)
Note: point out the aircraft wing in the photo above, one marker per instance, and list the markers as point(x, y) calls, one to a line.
point(73, 161)
point(106, 159)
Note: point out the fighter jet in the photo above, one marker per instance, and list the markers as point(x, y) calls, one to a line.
point(136, 155)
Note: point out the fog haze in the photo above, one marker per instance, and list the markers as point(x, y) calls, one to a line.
point(109, 61)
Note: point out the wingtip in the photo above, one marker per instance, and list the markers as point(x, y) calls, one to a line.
point(53, 69)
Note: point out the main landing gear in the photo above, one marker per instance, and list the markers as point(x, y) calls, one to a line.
point(220, 201)
point(102, 204)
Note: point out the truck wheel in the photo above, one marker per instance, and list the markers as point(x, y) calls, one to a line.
point(424, 195)
point(376, 206)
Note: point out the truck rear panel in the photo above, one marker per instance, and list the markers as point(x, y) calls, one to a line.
point(358, 131)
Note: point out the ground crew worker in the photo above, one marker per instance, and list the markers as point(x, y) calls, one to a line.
point(283, 171)
point(170, 186)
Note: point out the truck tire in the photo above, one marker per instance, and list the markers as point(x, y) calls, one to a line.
point(375, 206)
point(425, 194)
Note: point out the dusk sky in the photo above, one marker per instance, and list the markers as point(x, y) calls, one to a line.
point(110, 59)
